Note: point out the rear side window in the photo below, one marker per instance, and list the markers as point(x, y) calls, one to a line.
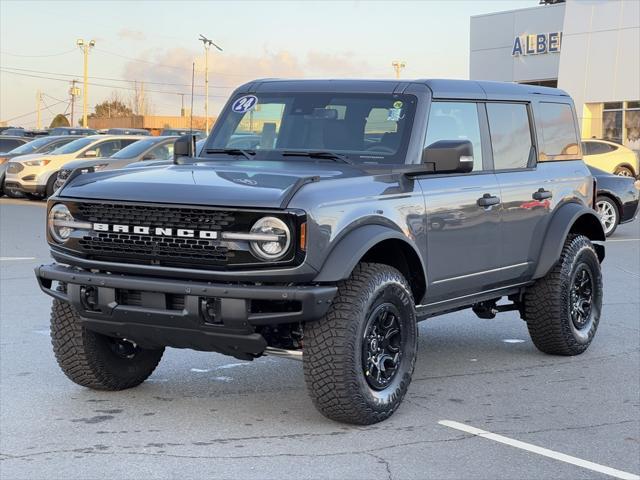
point(559, 136)
point(596, 148)
point(510, 135)
point(455, 121)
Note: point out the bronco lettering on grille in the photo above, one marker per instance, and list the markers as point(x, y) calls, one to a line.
point(158, 231)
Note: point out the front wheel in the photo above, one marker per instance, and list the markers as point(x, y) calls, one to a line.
point(562, 309)
point(97, 361)
point(359, 359)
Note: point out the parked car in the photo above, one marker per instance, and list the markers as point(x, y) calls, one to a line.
point(8, 143)
point(39, 145)
point(178, 132)
point(148, 149)
point(72, 131)
point(158, 163)
point(21, 132)
point(315, 246)
point(128, 131)
point(617, 200)
point(35, 175)
point(611, 157)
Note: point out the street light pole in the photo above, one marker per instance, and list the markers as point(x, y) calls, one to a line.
point(85, 47)
point(398, 66)
point(207, 45)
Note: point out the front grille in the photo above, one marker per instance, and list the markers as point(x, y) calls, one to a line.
point(160, 250)
point(14, 167)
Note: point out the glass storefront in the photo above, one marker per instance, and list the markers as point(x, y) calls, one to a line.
point(621, 123)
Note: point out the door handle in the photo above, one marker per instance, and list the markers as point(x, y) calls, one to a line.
point(487, 200)
point(541, 194)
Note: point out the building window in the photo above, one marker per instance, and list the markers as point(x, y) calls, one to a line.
point(621, 123)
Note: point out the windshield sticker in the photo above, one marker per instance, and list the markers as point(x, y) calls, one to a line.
point(244, 104)
point(395, 114)
point(397, 104)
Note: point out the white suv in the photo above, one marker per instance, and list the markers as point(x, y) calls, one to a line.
point(35, 175)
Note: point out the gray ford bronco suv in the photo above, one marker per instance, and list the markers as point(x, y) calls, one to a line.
point(322, 221)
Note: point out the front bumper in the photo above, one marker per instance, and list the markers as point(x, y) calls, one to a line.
point(157, 312)
point(25, 188)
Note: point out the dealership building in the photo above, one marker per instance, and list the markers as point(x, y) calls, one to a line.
point(589, 48)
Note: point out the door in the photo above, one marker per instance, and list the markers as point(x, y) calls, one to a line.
point(462, 210)
point(526, 195)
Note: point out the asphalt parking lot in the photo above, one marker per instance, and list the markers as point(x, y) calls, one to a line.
point(208, 416)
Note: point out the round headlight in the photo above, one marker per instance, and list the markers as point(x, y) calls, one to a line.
point(60, 220)
point(273, 248)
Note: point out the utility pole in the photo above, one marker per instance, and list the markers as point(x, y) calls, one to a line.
point(207, 45)
point(398, 66)
point(74, 92)
point(85, 47)
point(38, 102)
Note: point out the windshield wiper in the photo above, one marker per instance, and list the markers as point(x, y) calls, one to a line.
point(319, 154)
point(233, 151)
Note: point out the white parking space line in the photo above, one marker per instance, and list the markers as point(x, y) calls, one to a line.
point(8, 259)
point(623, 240)
point(540, 451)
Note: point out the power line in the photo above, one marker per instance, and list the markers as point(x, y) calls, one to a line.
point(37, 56)
point(111, 78)
point(27, 114)
point(114, 87)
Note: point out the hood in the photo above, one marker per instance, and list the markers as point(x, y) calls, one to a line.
point(258, 184)
point(26, 158)
point(73, 164)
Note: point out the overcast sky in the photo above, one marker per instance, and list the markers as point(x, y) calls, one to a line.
point(156, 42)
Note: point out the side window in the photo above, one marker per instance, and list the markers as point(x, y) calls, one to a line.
point(106, 149)
point(560, 139)
point(510, 135)
point(598, 148)
point(161, 152)
point(455, 121)
point(9, 144)
point(127, 142)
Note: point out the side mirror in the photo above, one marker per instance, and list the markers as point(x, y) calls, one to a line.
point(185, 146)
point(90, 153)
point(449, 156)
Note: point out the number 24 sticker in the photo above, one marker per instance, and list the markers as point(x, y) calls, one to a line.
point(244, 104)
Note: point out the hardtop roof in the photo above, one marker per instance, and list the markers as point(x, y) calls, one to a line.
point(440, 88)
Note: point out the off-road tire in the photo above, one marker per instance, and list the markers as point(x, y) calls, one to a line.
point(333, 347)
point(88, 360)
point(547, 304)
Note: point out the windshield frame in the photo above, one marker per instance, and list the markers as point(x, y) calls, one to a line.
point(225, 127)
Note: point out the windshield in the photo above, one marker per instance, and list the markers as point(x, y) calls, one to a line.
point(135, 149)
point(73, 147)
point(366, 128)
point(32, 146)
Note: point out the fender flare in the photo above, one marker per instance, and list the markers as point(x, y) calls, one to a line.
point(559, 228)
point(348, 251)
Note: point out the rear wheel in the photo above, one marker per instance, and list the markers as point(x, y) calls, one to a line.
point(562, 309)
point(623, 171)
point(359, 359)
point(97, 361)
point(609, 215)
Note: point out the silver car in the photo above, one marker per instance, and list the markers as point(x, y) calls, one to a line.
point(148, 149)
point(35, 175)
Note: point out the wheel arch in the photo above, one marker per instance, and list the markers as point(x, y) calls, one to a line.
point(378, 244)
point(570, 218)
point(626, 165)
